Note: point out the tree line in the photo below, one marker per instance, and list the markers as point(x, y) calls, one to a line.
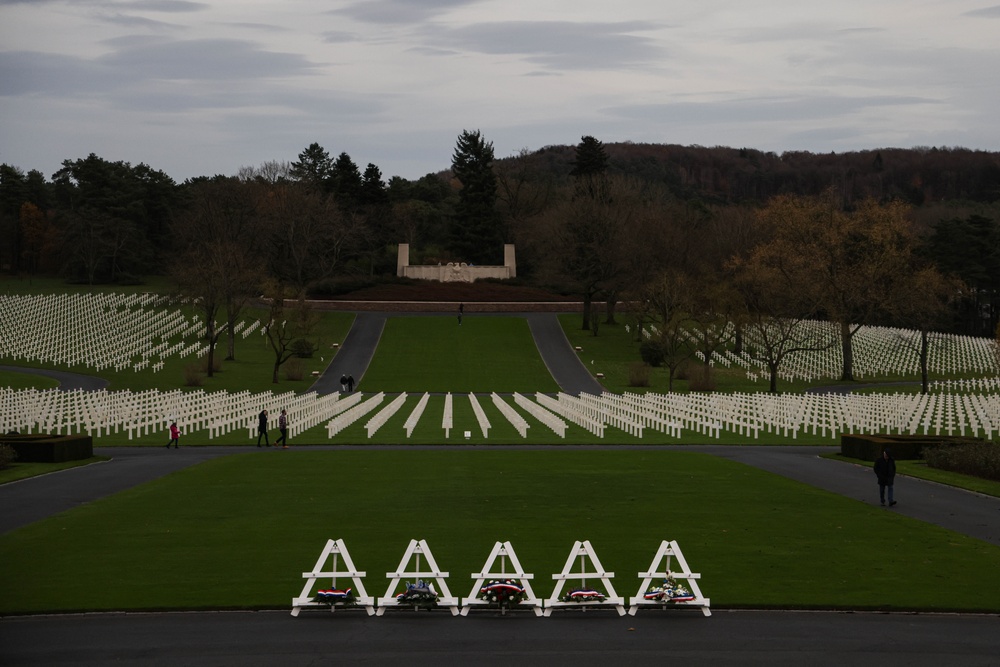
point(695, 236)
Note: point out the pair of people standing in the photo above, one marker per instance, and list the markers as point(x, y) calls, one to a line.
point(282, 428)
point(347, 383)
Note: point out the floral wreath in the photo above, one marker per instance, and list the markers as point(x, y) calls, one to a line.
point(669, 591)
point(420, 594)
point(502, 593)
point(583, 595)
point(334, 596)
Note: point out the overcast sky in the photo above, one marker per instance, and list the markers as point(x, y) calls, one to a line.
point(201, 88)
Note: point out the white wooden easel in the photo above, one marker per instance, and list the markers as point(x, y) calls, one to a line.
point(669, 549)
point(584, 550)
point(334, 549)
point(417, 549)
point(503, 551)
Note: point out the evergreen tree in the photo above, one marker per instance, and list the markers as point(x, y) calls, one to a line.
point(476, 236)
point(313, 167)
point(347, 182)
point(373, 192)
point(590, 158)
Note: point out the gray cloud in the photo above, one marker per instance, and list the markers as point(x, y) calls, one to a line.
point(340, 37)
point(986, 12)
point(135, 60)
point(132, 21)
point(556, 44)
point(28, 72)
point(166, 6)
point(759, 109)
point(201, 59)
point(399, 12)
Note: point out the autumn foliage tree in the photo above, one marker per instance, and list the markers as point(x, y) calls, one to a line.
point(848, 263)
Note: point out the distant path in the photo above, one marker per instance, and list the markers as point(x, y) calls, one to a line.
point(560, 359)
point(355, 353)
point(559, 356)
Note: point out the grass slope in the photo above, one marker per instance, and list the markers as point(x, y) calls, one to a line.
point(239, 531)
point(435, 354)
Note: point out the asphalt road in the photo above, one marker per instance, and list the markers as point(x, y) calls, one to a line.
point(436, 638)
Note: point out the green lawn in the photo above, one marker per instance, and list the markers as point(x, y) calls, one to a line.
point(16, 471)
point(435, 354)
point(15, 380)
point(237, 532)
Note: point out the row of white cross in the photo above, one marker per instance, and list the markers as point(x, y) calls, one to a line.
point(100, 331)
point(100, 413)
point(878, 351)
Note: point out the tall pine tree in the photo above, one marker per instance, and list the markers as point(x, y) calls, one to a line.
point(476, 235)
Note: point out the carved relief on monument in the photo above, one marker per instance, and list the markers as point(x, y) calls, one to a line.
point(457, 273)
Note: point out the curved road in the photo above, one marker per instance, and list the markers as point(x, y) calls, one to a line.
point(728, 637)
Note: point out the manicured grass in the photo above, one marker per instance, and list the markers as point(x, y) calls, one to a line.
point(921, 470)
point(14, 380)
point(436, 354)
point(16, 471)
point(239, 531)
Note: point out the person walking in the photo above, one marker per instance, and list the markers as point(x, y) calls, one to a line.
point(262, 428)
point(283, 429)
point(350, 383)
point(175, 434)
point(343, 383)
point(885, 471)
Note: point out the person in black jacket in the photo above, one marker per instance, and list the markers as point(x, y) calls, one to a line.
point(885, 471)
point(262, 428)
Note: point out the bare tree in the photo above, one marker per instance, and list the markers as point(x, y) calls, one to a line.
point(285, 326)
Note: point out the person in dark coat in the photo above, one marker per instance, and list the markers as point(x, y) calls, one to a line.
point(885, 471)
point(262, 428)
point(283, 429)
point(350, 383)
point(343, 383)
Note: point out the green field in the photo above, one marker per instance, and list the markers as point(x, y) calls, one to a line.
point(435, 354)
point(237, 532)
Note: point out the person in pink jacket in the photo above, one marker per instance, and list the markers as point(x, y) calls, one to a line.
point(175, 434)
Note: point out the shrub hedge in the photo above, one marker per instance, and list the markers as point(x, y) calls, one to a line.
point(980, 459)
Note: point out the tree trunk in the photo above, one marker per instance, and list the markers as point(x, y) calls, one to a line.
point(924, 346)
point(586, 311)
point(847, 350)
point(610, 307)
point(231, 332)
point(738, 340)
point(773, 371)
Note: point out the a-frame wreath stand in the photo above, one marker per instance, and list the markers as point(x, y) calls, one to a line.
point(503, 551)
point(334, 549)
point(669, 549)
point(584, 550)
point(417, 549)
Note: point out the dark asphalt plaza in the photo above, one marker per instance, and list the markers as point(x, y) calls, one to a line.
point(437, 638)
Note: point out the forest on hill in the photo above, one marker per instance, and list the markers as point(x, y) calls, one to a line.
point(679, 228)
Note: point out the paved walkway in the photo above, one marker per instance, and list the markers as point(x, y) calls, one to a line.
point(67, 381)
